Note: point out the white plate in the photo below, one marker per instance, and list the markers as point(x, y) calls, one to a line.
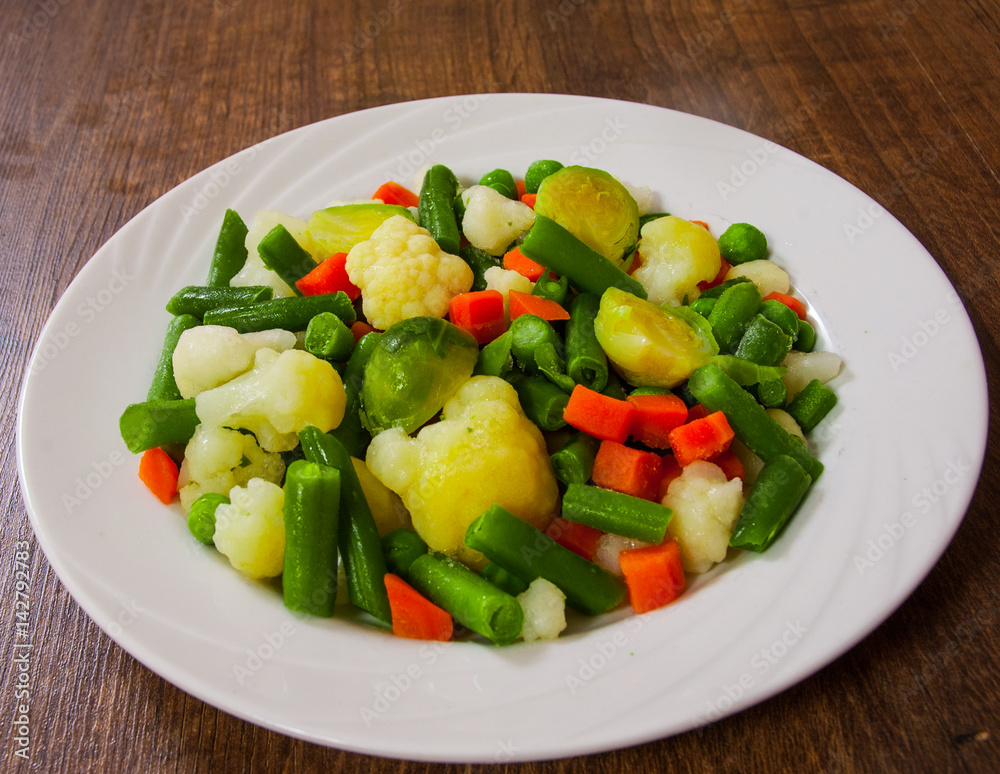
point(898, 477)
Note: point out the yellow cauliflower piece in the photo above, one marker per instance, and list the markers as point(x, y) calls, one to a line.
point(216, 459)
point(676, 256)
point(484, 451)
point(250, 531)
point(706, 506)
point(282, 394)
point(403, 273)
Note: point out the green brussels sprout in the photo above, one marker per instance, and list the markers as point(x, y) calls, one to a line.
point(594, 207)
point(650, 345)
point(338, 229)
point(417, 365)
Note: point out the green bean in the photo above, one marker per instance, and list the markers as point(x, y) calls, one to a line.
point(501, 181)
point(557, 249)
point(197, 299)
point(772, 393)
point(164, 386)
point(812, 403)
point(312, 511)
point(542, 401)
point(495, 359)
point(553, 289)
point(586, 362)
point(782, 316)
point(537, 171)
point(764, 342)
point(283, 255)
point(479, 261)
point(436, 208)
point(230, 251)
point(777, 492)
point(351, 432)
point(502, 579)
point(201, 517)
point(529, 554)
point(750, 422)
point(573, 463)
point(527, 333)
point(328, 338)
point(732, 314)
point(400, 547)
point(360, 544)
point(703, 306)
point(472, 601)
point(806, 340)
point(157, 423)
point(718, 290)
point(617, 513)
point(292, 314)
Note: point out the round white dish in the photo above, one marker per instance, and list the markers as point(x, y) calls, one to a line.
point(897, 483)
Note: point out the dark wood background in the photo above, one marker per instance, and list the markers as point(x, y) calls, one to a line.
point(107, 104)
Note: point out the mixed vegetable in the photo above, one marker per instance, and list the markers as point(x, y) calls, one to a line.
point(481, 404)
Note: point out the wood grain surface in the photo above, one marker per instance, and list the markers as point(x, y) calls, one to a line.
point(105, 105)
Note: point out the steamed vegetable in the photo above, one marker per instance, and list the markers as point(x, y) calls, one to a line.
point(337, 229)
point(492, 221)
point(250, 530)
point(676, 256)
point(254, 270)
point(210, 355)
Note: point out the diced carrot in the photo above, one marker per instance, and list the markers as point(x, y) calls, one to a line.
point(360, 329)
point(521, 188)
point(480, 312)
point(627, 470)
point(654, 575)
point(578, 538)
point(330, 276)
point(701, 439)
point(655, 417)
point(159, 473)
point(671, 470)
point(719, 278)
point(697, 411)
point(526, 303)
point(790, 301)
point(517, 261)
point(701, 223)
point(730, 464)
point(636, 263)
point(529, 199)
point(394, 193)
point(413, 615)
point(599, 415)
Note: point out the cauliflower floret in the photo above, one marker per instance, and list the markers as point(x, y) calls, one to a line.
point(505, 280)
point(282, 394)
point(706, 507)
point(216, 459)
point(608, 548)
point(484, 451)
point(250, 531)
point(492, 221)
point(803, 367)
point(210, 355)
point(544, 607)
point(254, 272)
point(403, 273)
point(676, 256)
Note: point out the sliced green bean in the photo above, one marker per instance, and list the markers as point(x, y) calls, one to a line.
point(503, 580)
point(291, 314)
point(586, 362)
point(197, 299)
point(157, 423)
point(617, 513)
point(806, 340)
point(351, 432)
point(479, 261)
point(230, 252)
point(283, 255)
point(542, 401)
point(472, 601)
point(328, 338)
point(436, 208)
point(573, 463)
point(554, 289)
point(732, 314)
point(164, 386)
point(783, 316)
point(401, 547)
point(501, 181)
point(312, 512)
point(529, 554)
point(764, 342)
point(360, 544)
point(811, 404)
point(777, 492)
point(495, 359)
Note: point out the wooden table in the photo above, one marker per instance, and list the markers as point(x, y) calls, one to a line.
point(107, 105)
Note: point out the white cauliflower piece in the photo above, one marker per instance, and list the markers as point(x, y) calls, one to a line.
point(644, 197)
point(706, 507)
point(484, 451)
point(403, 273)
point(544, 607)
point(209, 355)
point(492, 221)
point(216, 459)
point(803, 367)
point(609, 547)
point(676, 256)
point(254, 272)
point(278, 397)
point(505, 280)
point(250, 531)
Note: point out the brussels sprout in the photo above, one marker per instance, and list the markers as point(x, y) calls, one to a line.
point(416, 367)
point(338, 229)
point(594, 207)
point(650, 345)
